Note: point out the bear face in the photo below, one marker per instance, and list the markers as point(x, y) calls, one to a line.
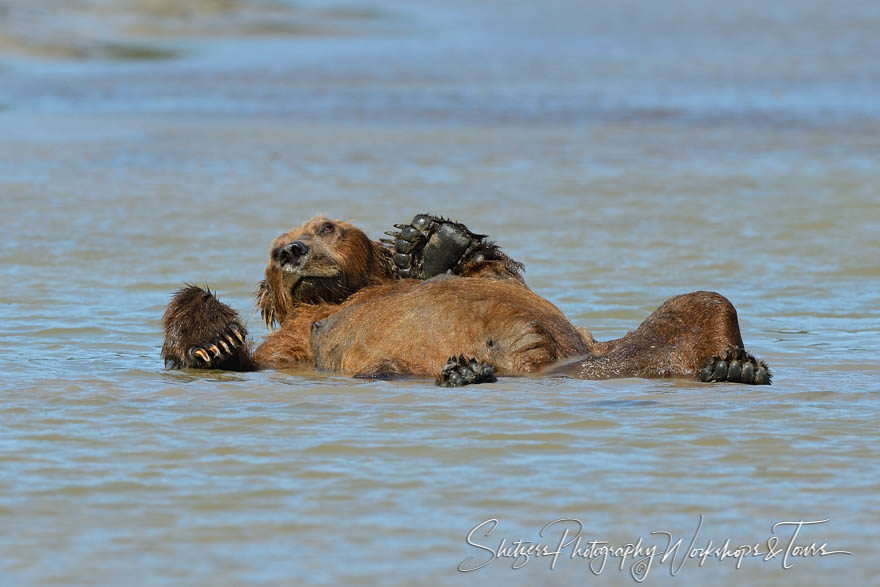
point(323, 261)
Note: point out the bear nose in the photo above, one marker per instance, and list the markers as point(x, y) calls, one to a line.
point(293, 252)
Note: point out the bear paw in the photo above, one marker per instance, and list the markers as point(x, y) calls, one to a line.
point(462, 371)
point(430, 245)
point(738, 366)
point(201, 332)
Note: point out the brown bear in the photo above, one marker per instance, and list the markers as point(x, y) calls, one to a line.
point(441, 302)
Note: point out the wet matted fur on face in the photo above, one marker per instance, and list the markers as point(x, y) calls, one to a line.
point(329, 262)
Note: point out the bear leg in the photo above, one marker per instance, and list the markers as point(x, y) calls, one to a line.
point(691, 335)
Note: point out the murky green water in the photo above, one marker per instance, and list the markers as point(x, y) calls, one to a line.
point(625, 152)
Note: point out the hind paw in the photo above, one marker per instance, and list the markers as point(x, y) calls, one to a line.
point(738, 366)
point(430, 245)
point(462, 371)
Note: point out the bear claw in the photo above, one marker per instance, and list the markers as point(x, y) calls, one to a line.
point(460, 371)
point(738, 366)
point(237, 334)
point(226, 346)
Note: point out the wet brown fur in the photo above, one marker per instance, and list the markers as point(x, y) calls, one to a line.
point(420, 324)
point(677, 339)
point(345, 310)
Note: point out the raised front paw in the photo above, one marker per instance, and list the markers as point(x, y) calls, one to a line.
point(737, 366)
point(201, 332)
point(430, 245)
point(460, 371)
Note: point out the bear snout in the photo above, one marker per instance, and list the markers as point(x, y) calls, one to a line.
point(292, 253)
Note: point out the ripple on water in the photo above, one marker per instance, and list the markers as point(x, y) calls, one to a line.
point(616, 197)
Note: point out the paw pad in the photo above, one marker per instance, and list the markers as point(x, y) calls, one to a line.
point(430, 245)
point(738, 366)
point(460, 371)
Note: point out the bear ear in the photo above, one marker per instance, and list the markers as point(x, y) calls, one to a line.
point(265, 303)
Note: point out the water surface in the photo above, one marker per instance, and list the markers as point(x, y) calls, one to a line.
point(624, 152)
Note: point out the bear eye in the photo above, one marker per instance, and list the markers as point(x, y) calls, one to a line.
point(326, 228)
